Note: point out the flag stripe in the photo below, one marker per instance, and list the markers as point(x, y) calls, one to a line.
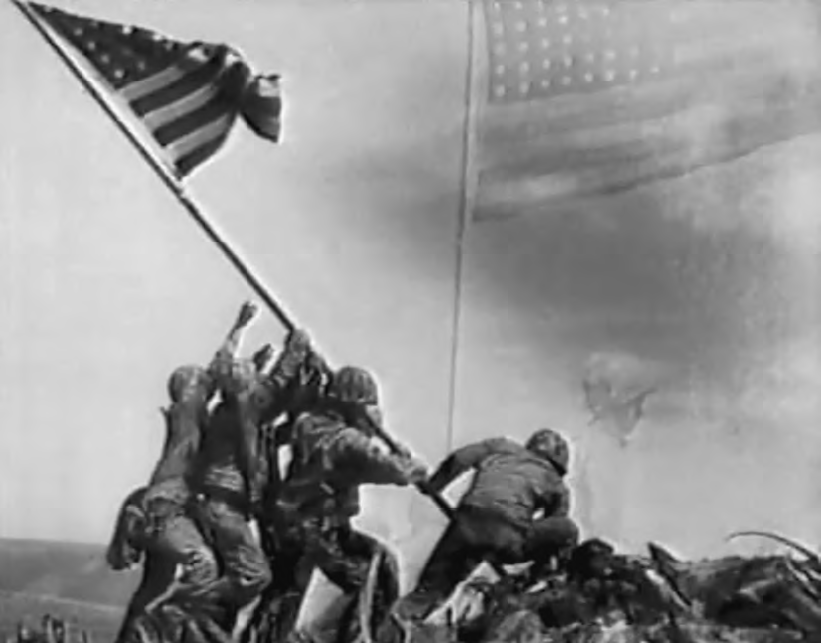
point(177, 89)
point(509, 126)
point(511, 193)
point(629, 140)
point(140, 88)
point(742, 123)
point(199, 155)
point(164, 115)
point(189, 123)
point(571, 148)
point(500, 122)
point(218, 127)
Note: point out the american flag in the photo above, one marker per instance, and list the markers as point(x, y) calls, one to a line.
point(186, 95)
point(582, 98)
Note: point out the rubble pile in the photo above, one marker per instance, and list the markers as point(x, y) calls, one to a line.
point(601, 596)
point(596, 596)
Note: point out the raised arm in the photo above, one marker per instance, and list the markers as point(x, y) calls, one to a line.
point(275, 390)
point(294, 355)
point(221, 366)
point(467, 458)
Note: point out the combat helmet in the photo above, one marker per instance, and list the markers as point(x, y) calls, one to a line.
point(354, 385)
point(188, 380)
point(551, 446)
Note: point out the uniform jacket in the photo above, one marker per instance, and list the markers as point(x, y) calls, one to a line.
point(330, 461)
point(231, 457)
point(510, 480)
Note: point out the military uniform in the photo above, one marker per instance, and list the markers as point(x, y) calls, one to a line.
point(231, 469)
point(171, 532)
point(495, 520)
point(313, 511)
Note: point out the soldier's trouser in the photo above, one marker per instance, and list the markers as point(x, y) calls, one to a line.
point(344, 556)
point(475, 536)
point(181, 540)
point(245, 571)
point(276, 615)
point(175, 541)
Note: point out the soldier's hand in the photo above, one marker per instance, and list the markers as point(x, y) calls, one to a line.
point(316, 363)
point(263, 356)
point(417, 473)
point(403, 452)
point(247, 313)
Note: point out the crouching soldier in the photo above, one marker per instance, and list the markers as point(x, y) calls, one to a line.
point(515, 511)
point(333, 454)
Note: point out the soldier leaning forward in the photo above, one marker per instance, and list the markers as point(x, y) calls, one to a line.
point(334, 453)
point(515, 511)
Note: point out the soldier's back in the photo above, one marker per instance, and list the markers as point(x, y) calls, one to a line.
point(513, 482)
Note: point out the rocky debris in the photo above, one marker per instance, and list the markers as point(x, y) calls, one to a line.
point(601, 596)
point(596, 596)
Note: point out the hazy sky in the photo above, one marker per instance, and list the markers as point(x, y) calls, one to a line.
point(709, 282)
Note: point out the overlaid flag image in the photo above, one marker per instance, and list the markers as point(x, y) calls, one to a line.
point(588, 98)
point(410, 320)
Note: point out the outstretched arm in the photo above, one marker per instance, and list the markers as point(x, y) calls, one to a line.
point(222, 368)
point(363, 459)
point(467, 458)
point(295, 354)
point(263, 400)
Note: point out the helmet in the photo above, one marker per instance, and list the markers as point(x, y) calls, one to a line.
point(354, 385)
point(550, 445)
point(188, 381)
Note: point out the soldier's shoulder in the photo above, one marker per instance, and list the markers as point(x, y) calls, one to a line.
point(513, 445)
point(314, 421)
point(350, 435)
point(305, 420)
point(505, 446)
point(554, 480)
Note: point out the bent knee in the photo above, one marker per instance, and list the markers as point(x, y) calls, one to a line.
point(570, 530)
point(562, 531)
point(252, 581)
point(262, 577)
point(200, 568)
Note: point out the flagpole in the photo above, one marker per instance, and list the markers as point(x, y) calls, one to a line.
point(170, 179)
point(162, 170)
point(465, 208)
